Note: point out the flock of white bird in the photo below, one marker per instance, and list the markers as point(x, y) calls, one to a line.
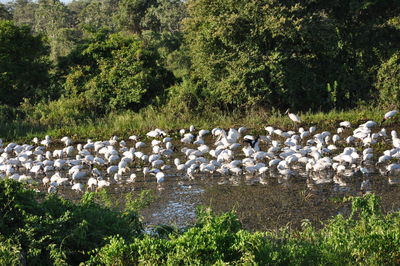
point(227, 153)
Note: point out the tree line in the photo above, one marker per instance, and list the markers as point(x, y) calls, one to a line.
point(100, 56)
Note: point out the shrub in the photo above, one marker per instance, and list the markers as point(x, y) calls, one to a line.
point(186, 98)
point(118, 72)
point(9, 252)
point(62, 112)
point(48, 230)
point(388, 82)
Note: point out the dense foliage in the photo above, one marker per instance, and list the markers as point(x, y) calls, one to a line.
point(46, 230)
point(314, 55)
point(23, 65)
point(49, 230)
point(195, 56)
point(117, 72)
point(388, 81)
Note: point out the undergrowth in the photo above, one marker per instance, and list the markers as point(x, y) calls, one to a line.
point(37, 229)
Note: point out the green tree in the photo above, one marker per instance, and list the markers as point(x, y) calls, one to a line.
point(23, 65)
point(365, 39)
point(5, 12)
point(117, 72)
point(23, 12)
point(130, 14)
point(163, 30)
point(241, 58)
point(97, 14)
point(53, 19)
point(307, 55)
point(164, 16)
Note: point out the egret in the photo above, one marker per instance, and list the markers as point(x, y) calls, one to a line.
point(293, 117)
point(91, 183)
point(160, 177)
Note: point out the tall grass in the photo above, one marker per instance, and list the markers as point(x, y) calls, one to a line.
point(127, 123)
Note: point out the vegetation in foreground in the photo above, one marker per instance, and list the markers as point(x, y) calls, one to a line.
point(49, 230)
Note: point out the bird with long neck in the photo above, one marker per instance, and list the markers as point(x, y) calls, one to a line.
point(293, 117)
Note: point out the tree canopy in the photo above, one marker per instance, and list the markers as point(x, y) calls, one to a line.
point(127, 54)
point(23, 64)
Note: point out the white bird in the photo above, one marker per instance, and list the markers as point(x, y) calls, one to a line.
point(77, 175)
point(67, 141)
point(46, 142)
point(133, 137)
point(160, 177)
point(390, 114)
point(46, 181)
point(77, 187)
point(293, 117)
point(92, 183)
point(139, 145)
point(241, 130)
point(369, 124)
point(102, 183)
point(52, 189)
point(345, 124)
point(146, 171)
point(132, 178)
point(112, 169)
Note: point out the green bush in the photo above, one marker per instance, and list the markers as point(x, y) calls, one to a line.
point(187, 98)
point(367, 237)
point(62, 112)
point(388, 82)
point(9, 252)
point(117, 72)
point(35, 229)
point(49, 229)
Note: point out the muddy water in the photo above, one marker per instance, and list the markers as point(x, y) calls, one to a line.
point(267, 203)
point(275, 203)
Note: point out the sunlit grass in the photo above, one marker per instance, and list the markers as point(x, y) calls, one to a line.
point(127, 123)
